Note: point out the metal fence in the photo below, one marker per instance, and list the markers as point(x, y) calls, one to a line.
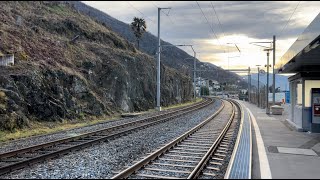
point(7, 60)
point(260, 98)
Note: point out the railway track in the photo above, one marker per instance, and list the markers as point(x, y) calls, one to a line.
point(21, 158)
point(199, 153)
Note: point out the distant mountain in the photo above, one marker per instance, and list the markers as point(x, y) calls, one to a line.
point(170, 56)
point(281, 80)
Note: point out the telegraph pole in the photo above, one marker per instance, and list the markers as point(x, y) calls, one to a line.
point(267, 106)
point(268, 49)
point(274, 75)
point(194, 74)
point(158, 108)
point(249, 85)
point(258, 85)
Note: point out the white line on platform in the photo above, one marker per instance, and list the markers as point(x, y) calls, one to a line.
point(263, 159)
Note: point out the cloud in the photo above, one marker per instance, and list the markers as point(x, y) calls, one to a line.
point(241, 22)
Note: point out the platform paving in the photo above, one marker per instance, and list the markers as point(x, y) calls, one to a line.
point(291, 154)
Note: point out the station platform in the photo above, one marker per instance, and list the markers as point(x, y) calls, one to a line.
point(279, 150)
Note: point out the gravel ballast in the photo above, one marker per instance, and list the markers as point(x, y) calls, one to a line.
point(101, 160)
point(35, 140)
point(212, 130)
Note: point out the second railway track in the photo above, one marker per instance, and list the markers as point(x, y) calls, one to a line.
point(199, 153)
point(20, 158)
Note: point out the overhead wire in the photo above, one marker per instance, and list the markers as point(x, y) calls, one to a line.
point(217, 18)
point(154, 4)
point(144, 16)
point(170, 17)
point(223, 34)
point(141, 12)
point(208, 23)
point(284, 27)
point(224, 51)
point(167, 14)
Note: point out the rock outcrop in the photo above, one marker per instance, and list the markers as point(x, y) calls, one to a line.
point(55, 78)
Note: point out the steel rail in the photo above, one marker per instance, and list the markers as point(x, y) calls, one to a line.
point(201, 165)
point(103, 122)
point(127, 172)
point(33, 148)
point(87, 138)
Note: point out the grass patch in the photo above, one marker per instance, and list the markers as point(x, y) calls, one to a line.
point(173, 106)
point(40, 128)
point(182, 104)
point(57, 9)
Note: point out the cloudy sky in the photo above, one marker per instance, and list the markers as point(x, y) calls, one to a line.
point(213, 27)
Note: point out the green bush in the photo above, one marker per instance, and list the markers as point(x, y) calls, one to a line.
point(204, 91)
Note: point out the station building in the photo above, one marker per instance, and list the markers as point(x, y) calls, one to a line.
point(303, 59)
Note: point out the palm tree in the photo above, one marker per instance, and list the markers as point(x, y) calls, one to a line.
point(139, 27)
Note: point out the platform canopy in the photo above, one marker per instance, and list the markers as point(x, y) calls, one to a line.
point(304, 54)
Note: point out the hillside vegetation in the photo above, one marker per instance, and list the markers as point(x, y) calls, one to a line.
point(69, 66)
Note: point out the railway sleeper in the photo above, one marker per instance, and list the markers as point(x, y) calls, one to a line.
point(226, 141)
point(178, 160)
point(99, 136)
point(212, 168)
point(173, 165)
point(167, 170)
point(192, 157)
point(220, 155)
point(186, 153)
point(64, 146)
point(196, 150)
point(222, 148)
point(11, 160)
point(90, 139)
point(221, 151)
point(157, 177)
point(215, 163)
point(224, 145)
point(204, 137)
point(209, 174)
point(200, 148)
point(197, 142)
point(217, 159)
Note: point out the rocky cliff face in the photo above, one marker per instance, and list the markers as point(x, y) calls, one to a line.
point(69, 66)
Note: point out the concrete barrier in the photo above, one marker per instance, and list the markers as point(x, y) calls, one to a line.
point(276, 110)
